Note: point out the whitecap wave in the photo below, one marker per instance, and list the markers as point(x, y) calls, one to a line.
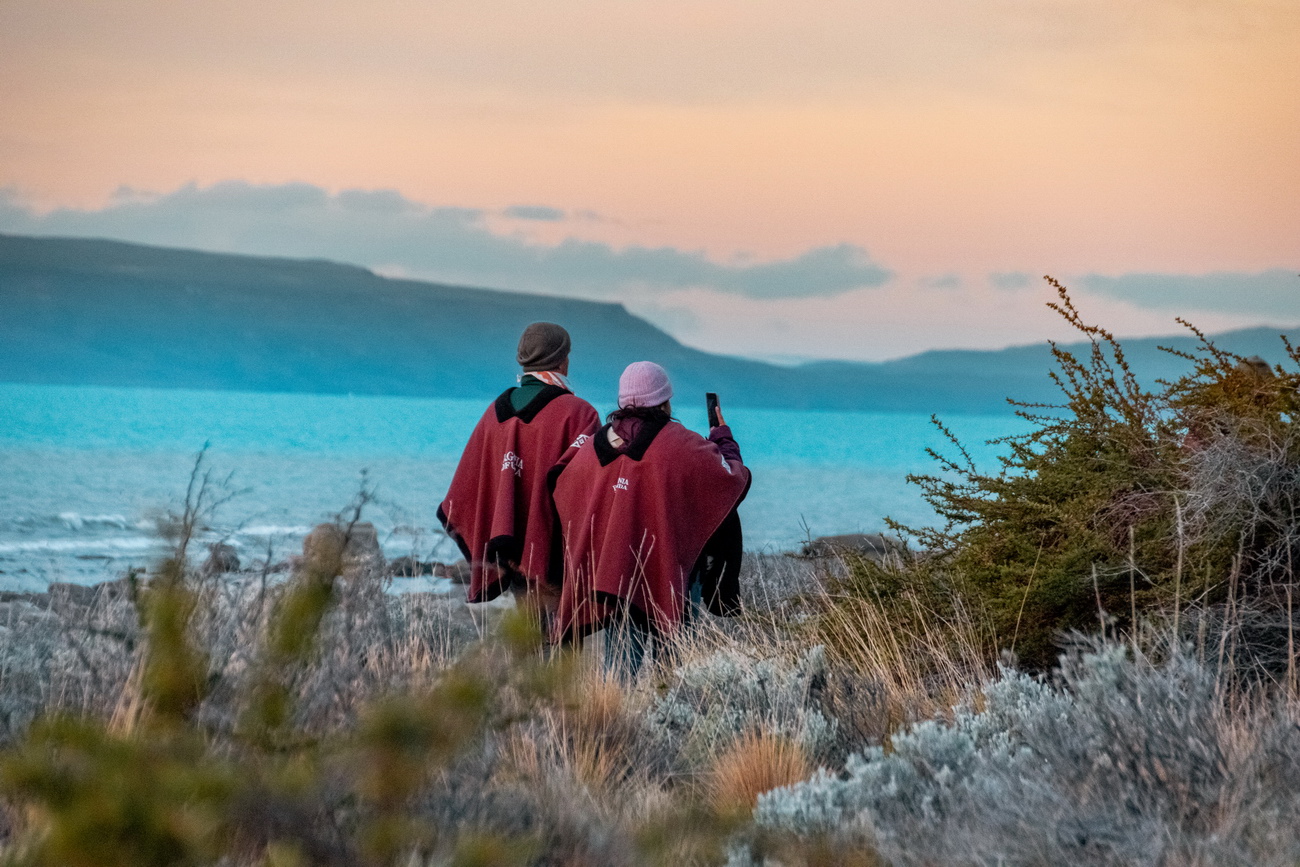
point(265, 530)
point(78, 521)
point(128, 545)
point(75, 522)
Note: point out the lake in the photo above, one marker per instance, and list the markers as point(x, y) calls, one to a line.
point(88, 471)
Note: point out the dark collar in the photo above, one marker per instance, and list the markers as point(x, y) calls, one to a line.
point(606, 453)
point(506, 411)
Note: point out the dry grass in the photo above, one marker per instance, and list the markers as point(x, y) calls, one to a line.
point(757, 762)
point(595, 775)
point(900, 649)
point(83, 655)
point(590, 738)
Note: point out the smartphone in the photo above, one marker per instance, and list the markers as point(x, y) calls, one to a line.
point(711, 404)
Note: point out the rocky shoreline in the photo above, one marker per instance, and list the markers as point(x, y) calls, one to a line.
point(77, 646)
point(360, 543)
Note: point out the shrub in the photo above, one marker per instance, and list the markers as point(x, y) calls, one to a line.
point(1123, 500)
point(1125, 762)
point(1240, 497)
point(215, 761)
point(715, 700)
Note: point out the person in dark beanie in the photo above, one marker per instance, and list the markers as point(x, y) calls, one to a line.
point(498, 509)
point(638, 503)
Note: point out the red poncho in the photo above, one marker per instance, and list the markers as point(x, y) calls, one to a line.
point(634, 523)
point(499, 508)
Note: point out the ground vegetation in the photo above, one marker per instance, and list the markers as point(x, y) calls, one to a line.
point(1090, 660)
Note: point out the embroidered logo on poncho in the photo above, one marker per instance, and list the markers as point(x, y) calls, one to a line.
point(582, 438)
point(622, 485)
point(512, 461)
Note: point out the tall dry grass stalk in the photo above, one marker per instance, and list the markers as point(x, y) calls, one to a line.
point(758, 762)
point(590, 737)
point(920, 657)
point(130, 704)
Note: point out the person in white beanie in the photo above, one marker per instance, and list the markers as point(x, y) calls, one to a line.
point(637, 504)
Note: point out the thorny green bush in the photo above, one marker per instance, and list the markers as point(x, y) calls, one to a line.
point(170, 779)
point(1123, 500)
point(1240, 492)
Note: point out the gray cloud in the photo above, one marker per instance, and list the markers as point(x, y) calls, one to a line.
point(1009, 280)
point(944, 281)
point(383, 229)
point(534, 212)
point(1268, 293)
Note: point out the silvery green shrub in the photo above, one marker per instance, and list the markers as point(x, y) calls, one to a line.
point(29, 646)
point(927, 766)
point(1122, 761)
point(715, 699)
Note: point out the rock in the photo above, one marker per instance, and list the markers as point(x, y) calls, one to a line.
point(221, 558)
point(409, 567)
point(873, 545)
point(64, 599)
point(21, 616)
point(458, 572)
point(41, 600)
point(363, 542)
point(74, 594)
point(11, 613)
point(357, 545)
point(121, 587)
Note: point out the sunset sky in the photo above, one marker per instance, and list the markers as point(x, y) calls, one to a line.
point(773, 179)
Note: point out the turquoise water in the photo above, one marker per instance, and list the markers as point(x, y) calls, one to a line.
point(87, 471)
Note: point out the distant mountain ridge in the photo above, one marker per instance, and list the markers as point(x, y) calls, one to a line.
point(97, 312)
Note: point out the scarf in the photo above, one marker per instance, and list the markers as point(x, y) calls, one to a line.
point(550, 377)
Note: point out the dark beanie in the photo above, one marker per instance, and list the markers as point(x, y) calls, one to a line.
point(543, 346)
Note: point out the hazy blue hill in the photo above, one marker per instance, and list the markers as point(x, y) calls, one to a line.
point(973, 380)
point(103, 312)
point(81, 311)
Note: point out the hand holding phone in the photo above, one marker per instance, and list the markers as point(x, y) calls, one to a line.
point(715, 414)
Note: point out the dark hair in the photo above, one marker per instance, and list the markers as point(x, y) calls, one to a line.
point(645, 413)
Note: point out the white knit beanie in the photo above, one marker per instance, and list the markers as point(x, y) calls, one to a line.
point(643, 383)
